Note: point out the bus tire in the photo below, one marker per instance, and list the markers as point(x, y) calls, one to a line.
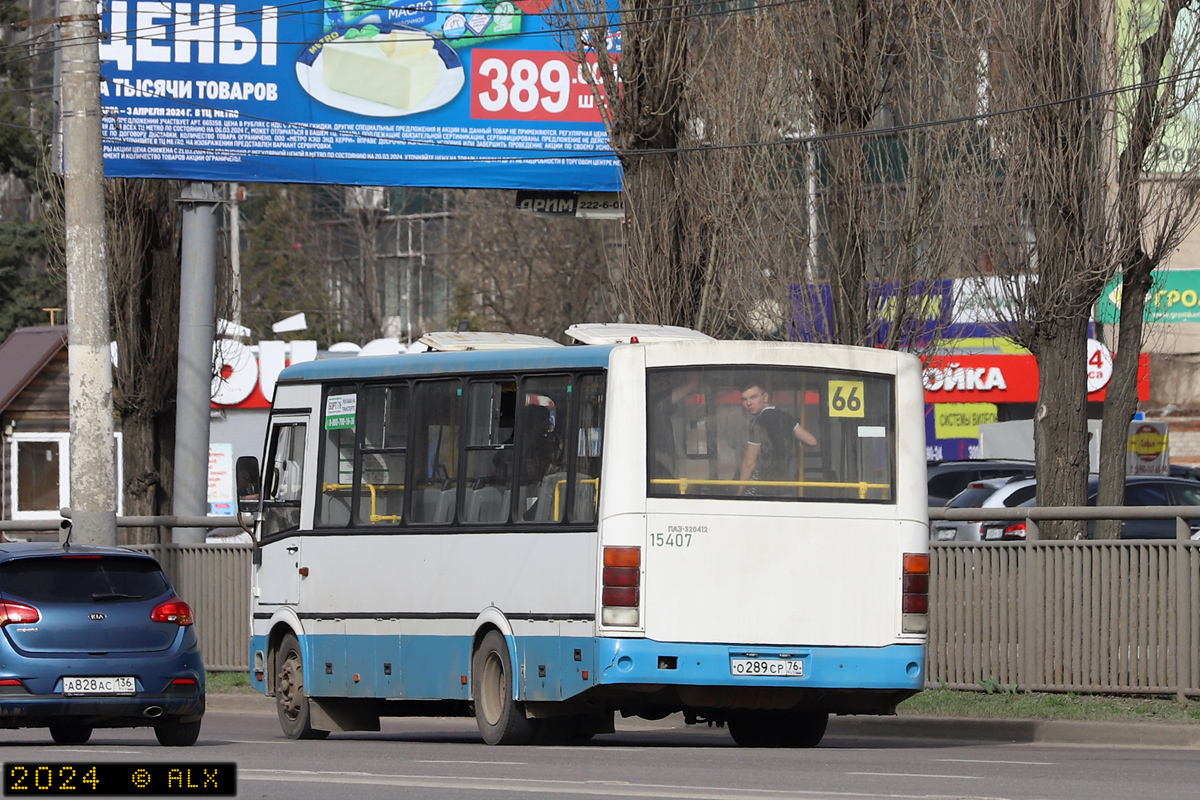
point(500, 718)
point(295, 716)
point(778, 729)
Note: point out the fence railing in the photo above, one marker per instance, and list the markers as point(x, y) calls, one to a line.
point(1105, 616)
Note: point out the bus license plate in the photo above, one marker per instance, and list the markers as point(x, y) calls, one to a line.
point(114, 685)
point(767, 667)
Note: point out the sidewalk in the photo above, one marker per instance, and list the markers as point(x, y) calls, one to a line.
point(1015, 731)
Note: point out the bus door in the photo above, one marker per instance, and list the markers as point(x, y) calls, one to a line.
point(278, 573)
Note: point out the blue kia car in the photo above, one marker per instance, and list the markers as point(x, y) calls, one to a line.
point(95, 637)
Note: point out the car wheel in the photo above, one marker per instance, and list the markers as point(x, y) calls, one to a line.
point(501, 719)
point(70, 734)
point(778, 729)
point(174, 733)
point(291, 703)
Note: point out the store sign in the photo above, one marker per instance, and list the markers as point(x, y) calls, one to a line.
point(962, 420)
point(1009, 378)
point(387, 93)
point(1147, 451)
point(1174, 297)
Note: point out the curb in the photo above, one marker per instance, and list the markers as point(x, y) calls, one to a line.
point(957, 729)
point(1020, 731)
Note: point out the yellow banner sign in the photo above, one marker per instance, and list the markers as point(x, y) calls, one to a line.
point(962, 420)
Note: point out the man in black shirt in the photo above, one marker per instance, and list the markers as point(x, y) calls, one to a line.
point(771, 450)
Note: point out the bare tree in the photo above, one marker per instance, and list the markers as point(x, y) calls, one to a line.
point(1043, 200)
point(524, 273)
point(763, 171)
point(1155, 202)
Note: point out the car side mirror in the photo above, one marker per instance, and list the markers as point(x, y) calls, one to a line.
point(249, 484)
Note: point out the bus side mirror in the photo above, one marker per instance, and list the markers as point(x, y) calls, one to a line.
point(249, 484)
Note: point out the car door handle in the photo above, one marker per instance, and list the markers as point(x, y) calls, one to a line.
point(293, 549)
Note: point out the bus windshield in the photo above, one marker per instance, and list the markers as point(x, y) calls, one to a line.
point(771, 433)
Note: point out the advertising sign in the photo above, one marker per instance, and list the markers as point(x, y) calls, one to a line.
point(1174, 296)
point(1147, 452)
point(384, 93)
point(1008, 379)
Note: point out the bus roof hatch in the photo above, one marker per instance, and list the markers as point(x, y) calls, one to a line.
point(446, 341)
point(622, 333)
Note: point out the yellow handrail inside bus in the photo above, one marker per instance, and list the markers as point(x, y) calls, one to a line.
point(371, 487)
point(684, 483)
point(595, 497)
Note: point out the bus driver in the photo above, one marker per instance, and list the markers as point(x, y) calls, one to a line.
point(771, 451)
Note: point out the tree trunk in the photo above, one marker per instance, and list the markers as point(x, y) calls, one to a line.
point(1060, 422)
point(1121, 399)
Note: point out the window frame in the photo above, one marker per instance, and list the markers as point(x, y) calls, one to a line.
point(63, 438)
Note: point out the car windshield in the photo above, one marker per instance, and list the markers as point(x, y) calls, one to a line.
point(973, 496)
point(82, 579)
point(780, 433)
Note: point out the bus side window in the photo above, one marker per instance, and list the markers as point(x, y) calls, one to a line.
point(284, 479)
point(544, 414)
point(434, 445)
point(491, 421)
point(589, 443)
point(337, 457)
point(384, 456)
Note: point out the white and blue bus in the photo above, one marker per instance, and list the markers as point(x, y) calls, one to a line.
point(544, 536)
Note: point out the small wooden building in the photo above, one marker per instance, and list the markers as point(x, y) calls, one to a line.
point(34, 415)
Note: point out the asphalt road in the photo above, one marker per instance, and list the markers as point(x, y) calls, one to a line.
point(444, 758)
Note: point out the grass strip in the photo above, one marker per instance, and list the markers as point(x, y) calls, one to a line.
point(1006, 704)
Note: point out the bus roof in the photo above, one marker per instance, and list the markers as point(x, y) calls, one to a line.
point(434, 363)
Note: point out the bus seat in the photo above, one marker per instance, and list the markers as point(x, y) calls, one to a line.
point(445, 506)
point(487, 504)
point(425, 503)
point(545, 506)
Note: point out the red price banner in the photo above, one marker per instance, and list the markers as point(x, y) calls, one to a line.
point(532, 85)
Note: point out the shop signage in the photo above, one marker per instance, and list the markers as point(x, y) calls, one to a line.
point(1009, 378)
point(1174, 297)
point(1147, 453)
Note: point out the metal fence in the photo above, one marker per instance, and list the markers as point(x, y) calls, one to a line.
point(214, 579)
point(1115, 617)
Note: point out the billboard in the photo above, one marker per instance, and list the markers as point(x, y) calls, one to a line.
point(443, 93)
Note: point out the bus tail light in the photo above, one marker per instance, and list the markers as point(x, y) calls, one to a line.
point(621, 586)
point(915, 593)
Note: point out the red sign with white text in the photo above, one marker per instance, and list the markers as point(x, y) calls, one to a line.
point(998, 379)
point(538, 85)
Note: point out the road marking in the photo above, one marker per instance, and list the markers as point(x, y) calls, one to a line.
point(917, 775)
point(97, 750)
point(996, 761)
point(567, 788)
point(448, 761)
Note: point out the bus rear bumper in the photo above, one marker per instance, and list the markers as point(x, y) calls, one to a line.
point(645, 661)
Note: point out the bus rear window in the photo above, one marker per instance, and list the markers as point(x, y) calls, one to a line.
point(770, 433)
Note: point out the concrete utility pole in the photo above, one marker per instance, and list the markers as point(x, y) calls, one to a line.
point(197, 312)
point(93, 456)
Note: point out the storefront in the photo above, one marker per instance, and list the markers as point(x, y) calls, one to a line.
point(964, 391)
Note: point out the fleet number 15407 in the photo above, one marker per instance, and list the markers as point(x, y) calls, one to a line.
point(671, 539)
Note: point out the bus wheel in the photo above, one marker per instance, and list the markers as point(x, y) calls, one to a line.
point(290, 701)
point(501, 719)
point(778, 729)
